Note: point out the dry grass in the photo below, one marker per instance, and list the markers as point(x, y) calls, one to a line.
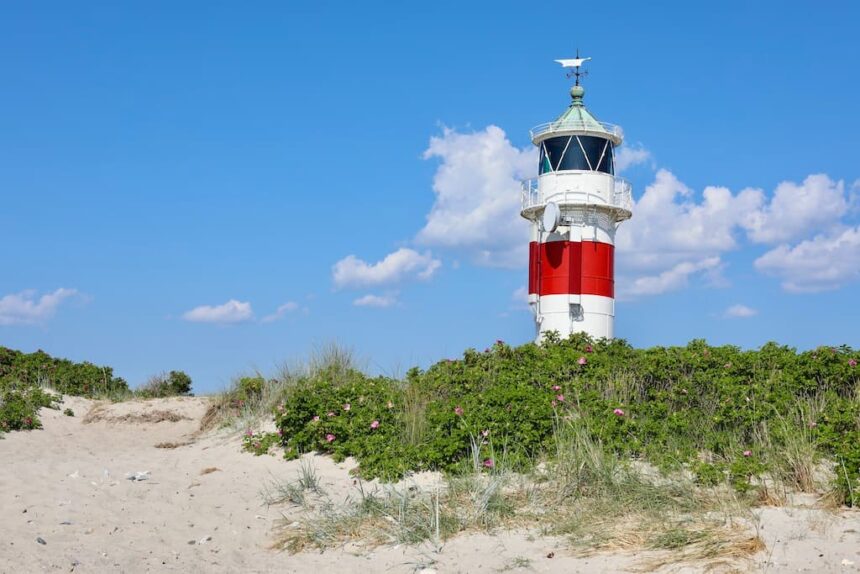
point(172, 445)
point(101, 413)
point(724, 553)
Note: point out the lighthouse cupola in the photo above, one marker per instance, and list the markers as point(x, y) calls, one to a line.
point(574, 207)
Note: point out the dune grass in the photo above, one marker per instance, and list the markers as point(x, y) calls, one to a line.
point(595, 500)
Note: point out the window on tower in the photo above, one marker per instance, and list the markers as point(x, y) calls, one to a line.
point(585, 153)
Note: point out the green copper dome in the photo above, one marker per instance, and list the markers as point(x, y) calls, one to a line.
point(576, 119)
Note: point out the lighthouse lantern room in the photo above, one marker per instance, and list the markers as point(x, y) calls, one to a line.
point(574, 207)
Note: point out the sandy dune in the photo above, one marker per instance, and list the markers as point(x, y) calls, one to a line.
point(67, 505)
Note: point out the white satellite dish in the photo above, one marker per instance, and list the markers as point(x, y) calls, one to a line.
point(551, 217)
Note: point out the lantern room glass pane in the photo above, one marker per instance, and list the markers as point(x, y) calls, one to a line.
point(556, 158)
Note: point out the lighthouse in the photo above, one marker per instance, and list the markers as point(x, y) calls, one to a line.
point(574, 207)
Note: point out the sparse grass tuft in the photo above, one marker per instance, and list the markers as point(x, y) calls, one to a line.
point(307, 481)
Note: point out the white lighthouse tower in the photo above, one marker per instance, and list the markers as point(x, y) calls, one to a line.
point(574, 207)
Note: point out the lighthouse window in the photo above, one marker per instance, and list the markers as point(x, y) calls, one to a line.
point(584, 153)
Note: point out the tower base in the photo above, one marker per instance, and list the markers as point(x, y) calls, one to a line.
point(566, 314)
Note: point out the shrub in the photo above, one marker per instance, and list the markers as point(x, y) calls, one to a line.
point(669, 405)
point(20, 404)
point(24, 376)
point(80, 379)
point(172, 384)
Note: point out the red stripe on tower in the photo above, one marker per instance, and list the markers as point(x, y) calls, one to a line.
point(572, 267)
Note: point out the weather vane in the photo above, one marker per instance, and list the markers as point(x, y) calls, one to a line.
point(576, 64)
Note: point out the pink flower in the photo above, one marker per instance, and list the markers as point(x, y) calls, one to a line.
point(556, 388)
point(249, 432)
point(499, 342)
point(852, 362)
point(485, 433)
point(390, 405)
point(588, 349)
point(329, 437)
point(280, 432)
point(458, 410)
point(747, 453)
point(488, 463)
point(347, 406)
point(316, 418)
point(374, 425)
point(582, 360)
point(554, 404)
point(618, 412)
point(330, 413)
point(559, 398)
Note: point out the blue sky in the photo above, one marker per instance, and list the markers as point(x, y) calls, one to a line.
point(172, 174)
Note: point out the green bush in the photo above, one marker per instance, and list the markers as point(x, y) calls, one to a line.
point(664, 404)
point(80, 379)
point(24, 376)
point(20, 404)
point(172, 384)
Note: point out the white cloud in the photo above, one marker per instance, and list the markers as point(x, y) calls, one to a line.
point(287, 307)
point(627, 156)
point(403, 263)
point(25, 309)
point(669, 280)
point(477, 188)
point(371, 300)
point(739, 312)
point(819, 264)
point(230, 312)
point(671, 230)
point(799, 210)
point(669, 227)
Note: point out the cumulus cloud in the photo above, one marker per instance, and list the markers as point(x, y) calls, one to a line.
point(669, 226)
point(477, 189)
point(232, 311)
point(627, 156)
point(739, 312)
point(371, 300)
point(404, 263)
point(669, 280)
point(823, 263)
point(672, 230)
point(288, 307)
point(25, 308)
point(799, 210)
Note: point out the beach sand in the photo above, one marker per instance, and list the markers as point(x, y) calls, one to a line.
point(67, 506)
